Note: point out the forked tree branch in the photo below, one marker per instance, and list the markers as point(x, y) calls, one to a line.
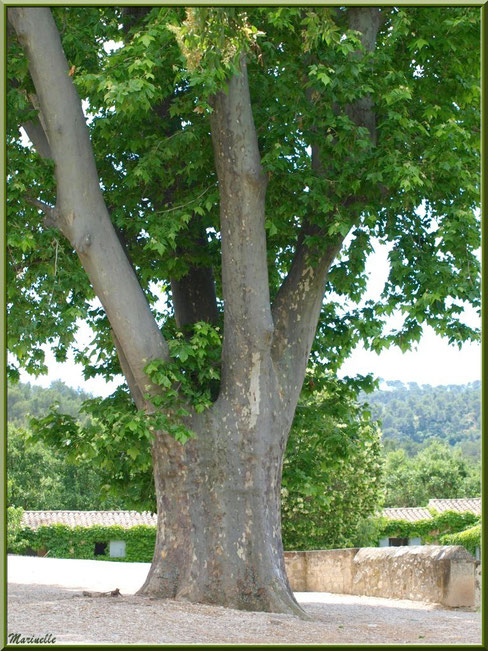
point(38, 138)
point(297, 306)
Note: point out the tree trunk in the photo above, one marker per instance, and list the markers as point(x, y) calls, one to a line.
point(219, 528)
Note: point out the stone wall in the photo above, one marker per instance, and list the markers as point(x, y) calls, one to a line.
point(321, 571)
point(431, 573)
point(477, 585)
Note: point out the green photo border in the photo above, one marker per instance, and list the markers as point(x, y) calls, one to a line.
point(3, 324)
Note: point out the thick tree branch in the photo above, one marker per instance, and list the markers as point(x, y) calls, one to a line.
point(132, 15)
point(297, 306)
point(194, 297)
point(80, 208)
point(367, 21)
point(37, 130)
point(296, 311)
point(247, 320)
point(136, 393)
point(193, 294)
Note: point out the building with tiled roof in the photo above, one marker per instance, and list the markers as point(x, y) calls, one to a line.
point(415, 514)
point(108, 543)
point(128, 519)
point(125, 519)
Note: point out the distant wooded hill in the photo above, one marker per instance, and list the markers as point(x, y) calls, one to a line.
point(412, 415)
point(25, 401)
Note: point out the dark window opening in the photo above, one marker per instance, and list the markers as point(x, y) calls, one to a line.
point(397, 542)
point(100, 548)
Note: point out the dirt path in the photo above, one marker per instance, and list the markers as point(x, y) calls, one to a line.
point(43, 600)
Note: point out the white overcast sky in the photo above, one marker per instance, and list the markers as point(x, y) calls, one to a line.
point(432, 362)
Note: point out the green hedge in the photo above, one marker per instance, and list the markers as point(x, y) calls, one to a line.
point(470, 538)
point(432, 530)
point(61, 541)
point(15, 540)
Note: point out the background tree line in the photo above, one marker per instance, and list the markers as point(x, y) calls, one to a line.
point(40, 477)
point(431, 440)
point(337, 470)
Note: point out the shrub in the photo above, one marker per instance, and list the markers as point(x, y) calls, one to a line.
point(469, 538)
point(332, 471)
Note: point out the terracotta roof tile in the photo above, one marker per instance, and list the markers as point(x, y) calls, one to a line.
point(126, 519)
point(472, 505)
point(411, 514)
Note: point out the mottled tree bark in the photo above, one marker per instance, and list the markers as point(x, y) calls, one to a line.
point(219, 538)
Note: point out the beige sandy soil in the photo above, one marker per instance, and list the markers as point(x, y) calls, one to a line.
point(46, 596)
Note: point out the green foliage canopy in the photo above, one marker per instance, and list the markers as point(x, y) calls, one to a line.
point(147, 107)
point(435, 472)
point(333, 470)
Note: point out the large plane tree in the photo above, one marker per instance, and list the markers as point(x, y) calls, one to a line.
point(203, 187)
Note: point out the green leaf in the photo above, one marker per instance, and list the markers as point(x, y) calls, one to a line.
point(133, 453)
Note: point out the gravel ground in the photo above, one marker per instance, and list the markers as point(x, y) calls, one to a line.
point(46, 596)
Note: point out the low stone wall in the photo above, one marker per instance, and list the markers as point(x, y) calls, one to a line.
point(431, 573)
point(321, 571)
